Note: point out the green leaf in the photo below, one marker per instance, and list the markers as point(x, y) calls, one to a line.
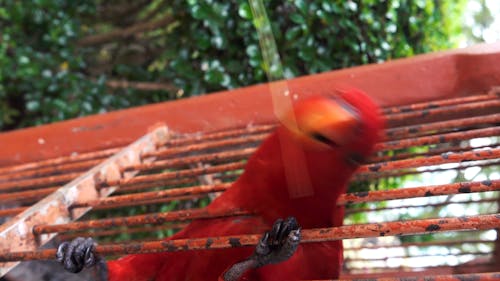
point(245, 11)
point(214, 77)
point(297, 18)
point(293, 33)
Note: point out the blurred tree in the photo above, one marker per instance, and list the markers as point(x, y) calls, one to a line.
point(62, 59)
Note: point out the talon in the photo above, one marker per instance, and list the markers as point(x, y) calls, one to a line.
point(276, 245)
point(280, 243)
point(263, 248)
point(61, 250)
point(77, 254)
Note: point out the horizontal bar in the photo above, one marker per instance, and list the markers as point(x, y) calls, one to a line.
point(398, 173)
point(403, 256)
point(440, 126)
point(12, 211)
point(148, 185)
point(26, 196)
point(350, 198)
point(423, 191)
point(435, 139)
point(399, 228)
point(173, 192)
point(490, 276)
point(155, 218)
point(38, 182)
point(444, 158)
point(85, 160)
point(451, 112)
point(59, 160)
point(216, 157)
point(186, 139)
point(117, 231)
point(436, 103)
point(365, 210)
point(453, 147)
point(163, 177)
point(44, 171)
point(170, 151)
point(435, 243)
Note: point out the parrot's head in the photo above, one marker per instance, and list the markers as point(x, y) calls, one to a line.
point(348, 123)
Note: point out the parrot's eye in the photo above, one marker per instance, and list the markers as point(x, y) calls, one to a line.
point(323, 139)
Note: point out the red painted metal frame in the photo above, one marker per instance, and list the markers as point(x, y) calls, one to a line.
point(421, 78)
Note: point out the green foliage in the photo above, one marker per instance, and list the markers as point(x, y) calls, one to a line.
point(207, 46)
point(41, 79)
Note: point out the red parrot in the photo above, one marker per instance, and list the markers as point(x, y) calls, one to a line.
point(316, 148)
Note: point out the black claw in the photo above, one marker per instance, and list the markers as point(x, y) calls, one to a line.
point(280, 243)
point(77, 254)
point(80, 253)
point(276, 245)
point(61, 250)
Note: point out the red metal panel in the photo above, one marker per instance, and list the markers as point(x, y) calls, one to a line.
point(421, 78)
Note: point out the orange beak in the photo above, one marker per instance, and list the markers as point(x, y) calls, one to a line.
point(326, 121)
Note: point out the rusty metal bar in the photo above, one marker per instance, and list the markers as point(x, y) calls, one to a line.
point(366, 210)
point(117, 231)
point(369, 259)
point(350, 198)
point(436, 104)
point(39, 182)
point(434, 139)
point(26, 196)
point(444, 158)
point(11, 211)
point(400, 228)
point(204, 189)
point(206, 145)
point(155, 218)
point(16, 234)
point(490, 276)
point(451, 112)
point(31, 183)
point(84, 161)
point(59, 160)
point(163, 177)
point(441, 126)
point(421, 244)
point(54, 169)
point(398, 173)
point(231, 133)
point(359, 176)
point(149, 202)
point(140, 197)
point(149, 185)
point(423, 191)
point(415, 271)
point(455, 147)
point(203, 158)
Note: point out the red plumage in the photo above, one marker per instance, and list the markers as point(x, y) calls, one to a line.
point(266, 188)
